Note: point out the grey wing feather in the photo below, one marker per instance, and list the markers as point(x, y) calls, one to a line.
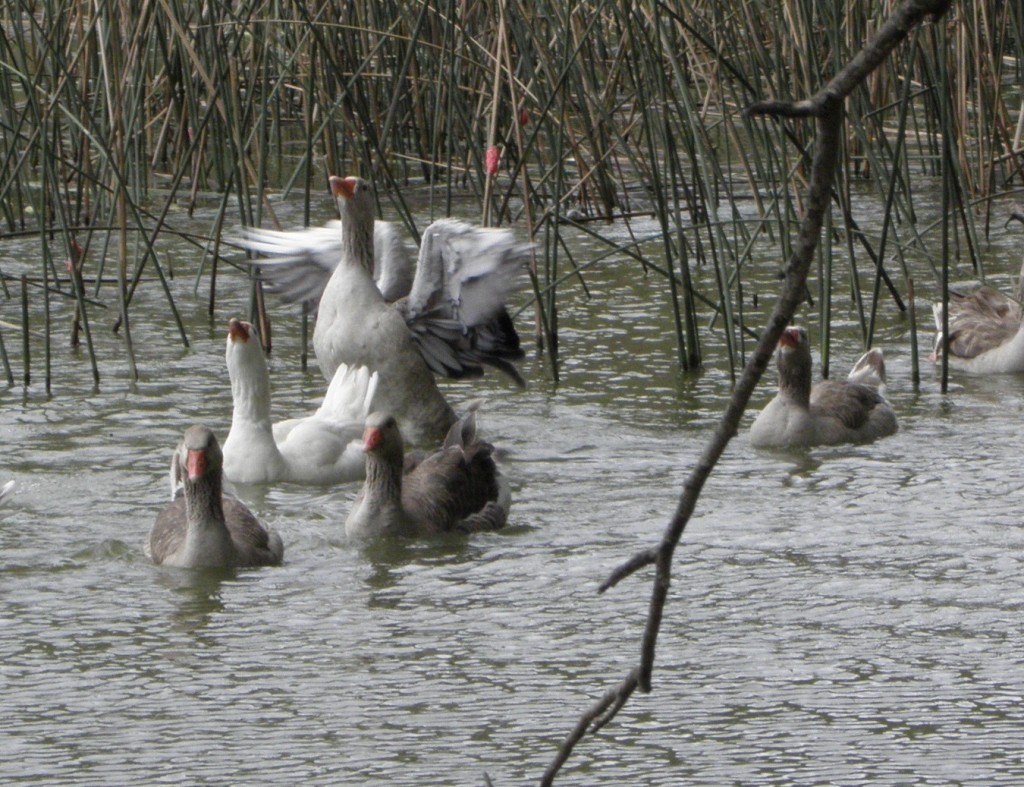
point(491, 517)
point(869, 369)
point(851, 403)
point(298, 263)
point(466, 271)
point(392, 263)
point(443, 354)
point(167, 533)
point(464, 274)
point(978, 322)
point(494, 514)
point(255, 544)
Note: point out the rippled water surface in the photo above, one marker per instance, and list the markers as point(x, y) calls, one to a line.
point(843, 615)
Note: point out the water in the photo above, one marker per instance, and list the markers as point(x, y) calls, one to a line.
point(842, 615)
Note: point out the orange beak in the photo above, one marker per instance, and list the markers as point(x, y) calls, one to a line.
point(342, 187)
point(789, 338)
point(238, 330)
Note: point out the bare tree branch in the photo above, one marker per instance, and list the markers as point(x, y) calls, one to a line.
point(826, 107)
point(599, 714)
point(635, 563)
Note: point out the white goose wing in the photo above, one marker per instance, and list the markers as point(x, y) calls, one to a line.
point(392, 263)
point(349, 396)
point(456, 308)
point(297, 264)
point(466, 272)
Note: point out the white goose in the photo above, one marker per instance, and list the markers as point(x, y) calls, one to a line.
point(204, 527)
point(452, 322)
point(830, 412)
point(986, 328)
point(323, 448)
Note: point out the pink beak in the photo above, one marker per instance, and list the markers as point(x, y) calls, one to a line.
point(372, 438)
point(195, 464)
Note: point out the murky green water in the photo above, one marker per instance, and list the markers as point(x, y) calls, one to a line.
point(843, 615)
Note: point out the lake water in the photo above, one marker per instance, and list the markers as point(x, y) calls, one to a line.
point(841, 615)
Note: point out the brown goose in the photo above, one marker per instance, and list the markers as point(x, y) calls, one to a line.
point(452, 322)
point(831, 411)
point(454, 489)
point(204, 527)
point(986, 328)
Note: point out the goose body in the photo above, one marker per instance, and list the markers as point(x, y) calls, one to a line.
point(454, 489)
point(986, 333)
point(204, 527)
point(323, 448)
point(986, 328)
point(830, 411)
point(450, 321)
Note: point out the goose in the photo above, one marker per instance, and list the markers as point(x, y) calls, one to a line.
point(452, 322)
point(323, 448)
point(986, 331)
point(204, 527)
point(457, 488)
point(830, 412)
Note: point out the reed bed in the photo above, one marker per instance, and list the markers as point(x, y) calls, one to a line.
point(606, 115)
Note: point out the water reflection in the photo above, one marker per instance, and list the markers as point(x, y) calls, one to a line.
point(195, 594)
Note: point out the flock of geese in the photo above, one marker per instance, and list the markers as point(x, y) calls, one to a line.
point(986, 336)
point(382, 334)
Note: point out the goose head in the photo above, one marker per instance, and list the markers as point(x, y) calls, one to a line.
point(199, 459)
point(794, 362)
point(355, 199)
point(382, 439)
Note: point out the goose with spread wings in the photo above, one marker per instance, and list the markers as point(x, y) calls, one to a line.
point(451, 322)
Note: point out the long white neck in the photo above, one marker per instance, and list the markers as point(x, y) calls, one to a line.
point(250, 453)
point(250, 388)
